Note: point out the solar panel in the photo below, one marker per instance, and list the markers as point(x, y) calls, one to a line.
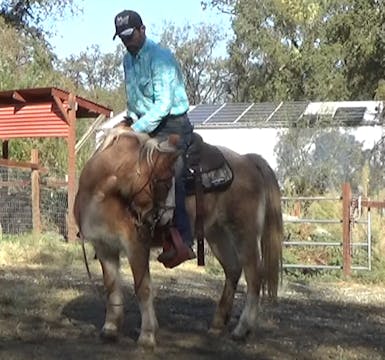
point(349, 116)
point(258, 113)
point(287, 114)
point(200, 113)
point(272, 114)
point(229, 113)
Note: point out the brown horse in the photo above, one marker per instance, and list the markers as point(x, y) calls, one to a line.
point(119, 188)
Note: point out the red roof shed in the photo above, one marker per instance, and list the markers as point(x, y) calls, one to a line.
point(47, 112)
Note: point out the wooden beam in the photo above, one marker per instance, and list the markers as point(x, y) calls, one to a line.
point(5, 149)
point(17, 96)
point(88, 105)
point(62, 109)
point(89, 132)
point(35, 187)
point(71, 142)
point(22, 165)
point(373, 204)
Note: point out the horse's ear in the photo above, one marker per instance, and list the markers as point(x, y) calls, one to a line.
point(173, 139)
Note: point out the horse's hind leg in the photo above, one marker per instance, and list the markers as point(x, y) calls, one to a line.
point(249, 255)
point(222, 247)
point(115, 305)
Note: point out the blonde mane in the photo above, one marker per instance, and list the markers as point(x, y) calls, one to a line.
point(147, 144)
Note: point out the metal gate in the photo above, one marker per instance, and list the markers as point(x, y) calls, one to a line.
point(356, 212)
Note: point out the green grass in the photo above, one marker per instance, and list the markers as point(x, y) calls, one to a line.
point(49, 251)
point(44, 250)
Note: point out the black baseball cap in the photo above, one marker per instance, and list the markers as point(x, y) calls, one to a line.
point(126, 22)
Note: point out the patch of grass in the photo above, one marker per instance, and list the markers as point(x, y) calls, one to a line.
point(46, 249)
point(31, 266)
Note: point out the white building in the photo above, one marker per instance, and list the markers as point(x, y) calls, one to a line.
point(254, 127)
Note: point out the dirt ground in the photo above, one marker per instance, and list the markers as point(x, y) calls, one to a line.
point(316, 321)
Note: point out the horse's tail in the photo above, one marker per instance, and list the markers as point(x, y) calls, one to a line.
point(272, 235)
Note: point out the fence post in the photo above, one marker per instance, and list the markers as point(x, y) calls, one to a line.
point(346, 200)
point(72, 107)
point(35, 185)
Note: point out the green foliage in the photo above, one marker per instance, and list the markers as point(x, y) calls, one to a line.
point(28, 15)
point(25, 61)
point(305, 49)
point(97, 76)
point(206, 76)
point(316, 160)
point(52, 153)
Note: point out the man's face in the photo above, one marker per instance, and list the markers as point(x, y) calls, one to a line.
point(134, 42)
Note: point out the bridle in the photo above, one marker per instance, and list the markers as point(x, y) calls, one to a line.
point(152, 217)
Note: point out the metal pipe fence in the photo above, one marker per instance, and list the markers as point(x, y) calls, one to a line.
point(347, 246)
point(18, 207)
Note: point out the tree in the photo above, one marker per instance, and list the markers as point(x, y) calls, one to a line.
point(28, 15)
point(97, 76)
point(25, 61)
point(206, 75)
point(314, 161)
point(376, 160)
point(306, 49)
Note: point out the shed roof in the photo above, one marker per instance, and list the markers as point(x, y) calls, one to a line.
point(86, 108)
point(42, 112)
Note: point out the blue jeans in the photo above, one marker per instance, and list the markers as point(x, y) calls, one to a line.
point(181, 126)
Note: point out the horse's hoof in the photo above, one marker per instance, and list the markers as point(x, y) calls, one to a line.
point(109, 335)
point(147, 340)
point(240, 334)
point(216, 331)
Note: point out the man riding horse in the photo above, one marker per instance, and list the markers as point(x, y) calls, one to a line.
point(121, 184)
point(157, 105)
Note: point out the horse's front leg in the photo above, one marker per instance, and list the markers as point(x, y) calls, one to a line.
point(138, 255)
point(115, 305)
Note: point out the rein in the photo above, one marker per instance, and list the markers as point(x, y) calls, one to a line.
point(149, 181)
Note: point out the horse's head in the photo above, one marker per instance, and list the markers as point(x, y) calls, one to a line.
point(132, 167)
point(154, 174)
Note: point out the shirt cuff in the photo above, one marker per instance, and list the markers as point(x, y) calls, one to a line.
point(138, 127)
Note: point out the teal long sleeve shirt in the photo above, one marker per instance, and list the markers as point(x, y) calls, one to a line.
point(154, 86)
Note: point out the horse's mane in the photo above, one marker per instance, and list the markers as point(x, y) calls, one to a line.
point(147, 145)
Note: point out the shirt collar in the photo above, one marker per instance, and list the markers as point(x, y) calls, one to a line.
point(144, 48)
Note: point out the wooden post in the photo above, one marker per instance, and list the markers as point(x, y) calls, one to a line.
point(71, 166)
point(4, 175)
point(35, 185)
point(5, 152)
point(346, 235)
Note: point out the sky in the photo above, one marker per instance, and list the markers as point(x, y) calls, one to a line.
point(95, 25)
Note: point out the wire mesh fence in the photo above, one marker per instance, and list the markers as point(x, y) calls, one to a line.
point(15, 200)
point(16, 216)
point(54, 209)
